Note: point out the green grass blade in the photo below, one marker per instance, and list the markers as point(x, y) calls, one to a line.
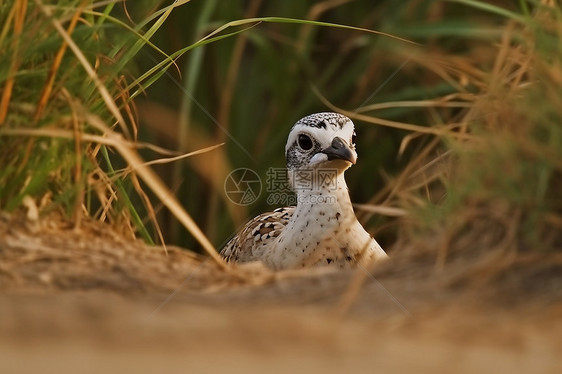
point(491, 8)
point(126, 203)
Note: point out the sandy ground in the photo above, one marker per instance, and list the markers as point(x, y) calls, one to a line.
point(89, 301)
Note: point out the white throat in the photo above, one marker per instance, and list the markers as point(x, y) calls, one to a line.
point(319, 214)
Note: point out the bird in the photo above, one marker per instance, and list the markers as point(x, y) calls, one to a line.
point(322, 228)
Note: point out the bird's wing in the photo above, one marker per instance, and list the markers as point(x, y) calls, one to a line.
point(250, 243)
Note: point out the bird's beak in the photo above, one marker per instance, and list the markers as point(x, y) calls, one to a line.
point(339, 150)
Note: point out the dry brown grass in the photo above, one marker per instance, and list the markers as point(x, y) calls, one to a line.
point(480, 185)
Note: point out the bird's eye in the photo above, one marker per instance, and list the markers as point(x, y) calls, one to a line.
point(353, 137)
point(305, 142)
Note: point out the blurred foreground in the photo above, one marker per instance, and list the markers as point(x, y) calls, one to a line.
point(88, 301)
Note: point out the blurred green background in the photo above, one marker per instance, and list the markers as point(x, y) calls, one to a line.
point(255, 85)
point(445, 76)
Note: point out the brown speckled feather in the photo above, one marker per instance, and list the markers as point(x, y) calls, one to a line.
point(257, 234)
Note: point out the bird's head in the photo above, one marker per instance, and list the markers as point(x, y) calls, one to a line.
point(321, 140)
